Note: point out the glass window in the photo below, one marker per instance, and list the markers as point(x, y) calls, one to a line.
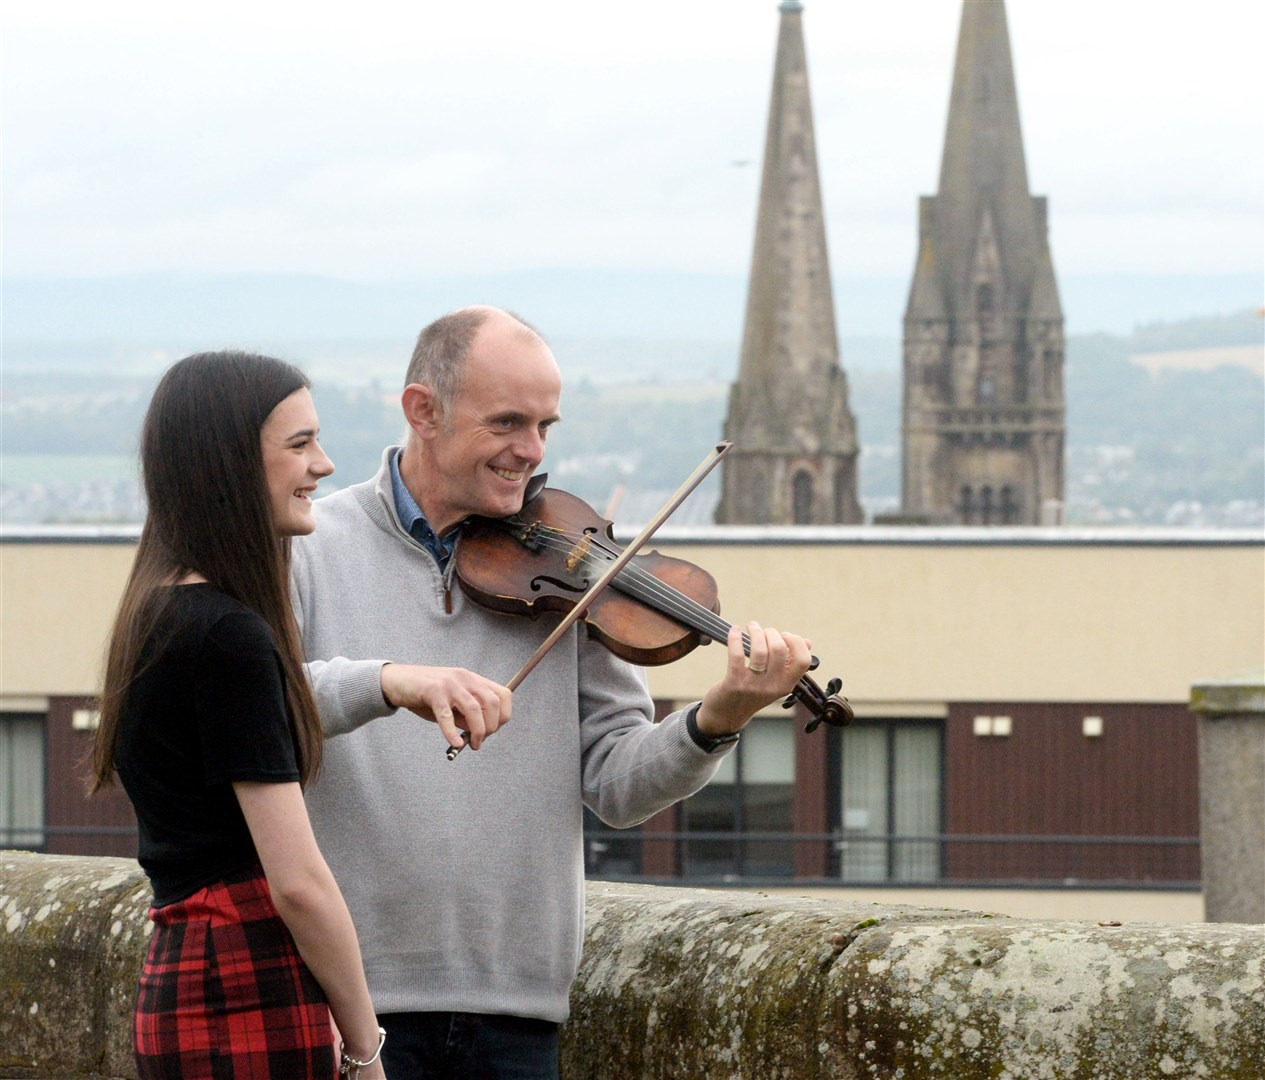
point(609, 852)
point(22, 780)
point(865, 804)
point(752, 792)
point(916, 801)
point(890, 801)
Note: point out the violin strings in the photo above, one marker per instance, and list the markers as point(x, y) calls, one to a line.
point(663, 597)
point(654, 592)
point(675, 603)
point(657, 593)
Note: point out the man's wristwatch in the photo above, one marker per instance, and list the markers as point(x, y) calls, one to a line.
point(710, 743)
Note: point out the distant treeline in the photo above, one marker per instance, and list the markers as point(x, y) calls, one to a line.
point(1245, 327)
point(1189, 436)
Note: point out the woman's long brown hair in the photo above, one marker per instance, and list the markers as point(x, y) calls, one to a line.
point(209, 513)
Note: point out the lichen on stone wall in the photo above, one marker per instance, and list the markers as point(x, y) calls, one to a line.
point(688, 983)
point(72, 935)
point(1036, 1000)
point(696, 983)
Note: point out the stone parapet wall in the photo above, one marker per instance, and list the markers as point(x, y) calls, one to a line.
point(1231, 714)
point(692, 983)
point(73, 934)
point(689, 983)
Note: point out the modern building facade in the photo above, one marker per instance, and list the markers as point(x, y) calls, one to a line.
point(794, 459)
point(983, 412)
point(1021, 698)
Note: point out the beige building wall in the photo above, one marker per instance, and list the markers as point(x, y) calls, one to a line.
point(909, 618)
point(57, 601)
point(937, 620)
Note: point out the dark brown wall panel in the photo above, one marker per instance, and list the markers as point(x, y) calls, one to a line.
point(811, 799)
point(1047, 778)
point(66, 802)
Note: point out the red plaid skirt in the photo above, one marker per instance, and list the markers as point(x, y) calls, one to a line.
point(224, 994)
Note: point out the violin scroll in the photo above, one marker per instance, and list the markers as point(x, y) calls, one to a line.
point(828, 707)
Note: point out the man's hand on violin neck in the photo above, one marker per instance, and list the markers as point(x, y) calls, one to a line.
point(453, 698)
point(776, 663)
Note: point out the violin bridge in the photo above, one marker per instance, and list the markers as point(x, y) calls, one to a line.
point(578, 553)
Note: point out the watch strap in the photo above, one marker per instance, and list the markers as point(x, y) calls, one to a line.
point(709, 743)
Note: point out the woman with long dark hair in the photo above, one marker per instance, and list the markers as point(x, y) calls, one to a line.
point(208, 721)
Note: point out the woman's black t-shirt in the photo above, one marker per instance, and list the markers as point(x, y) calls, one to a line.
point(207, 708)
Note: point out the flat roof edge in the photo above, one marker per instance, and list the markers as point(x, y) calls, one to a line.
point(955, 535)
point(69, 534)
point(845, 535)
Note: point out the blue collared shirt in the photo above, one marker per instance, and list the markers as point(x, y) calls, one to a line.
point(414, 521)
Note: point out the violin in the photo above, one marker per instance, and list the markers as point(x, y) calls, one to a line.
point(656, 609)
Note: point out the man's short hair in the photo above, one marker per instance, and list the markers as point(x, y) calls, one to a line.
point(442, 347)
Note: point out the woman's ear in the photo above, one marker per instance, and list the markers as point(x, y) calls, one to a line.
point(422, 410)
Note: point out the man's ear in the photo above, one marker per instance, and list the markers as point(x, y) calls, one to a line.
point(422, 410)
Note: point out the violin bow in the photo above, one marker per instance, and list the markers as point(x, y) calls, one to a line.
point(582, 605)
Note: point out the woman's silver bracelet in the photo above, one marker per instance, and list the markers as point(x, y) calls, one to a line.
point(350, 1067)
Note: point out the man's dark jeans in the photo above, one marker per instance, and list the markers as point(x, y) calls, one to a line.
point(468, 1046)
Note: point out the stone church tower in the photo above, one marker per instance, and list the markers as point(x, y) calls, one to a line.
point(983, 357)
point(795, 445)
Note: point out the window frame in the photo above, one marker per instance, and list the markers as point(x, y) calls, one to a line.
point(835, 793)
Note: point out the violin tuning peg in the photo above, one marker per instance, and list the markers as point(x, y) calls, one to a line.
point(834, 686)
point(814, 664)
point(812, 725)
point(789, 702)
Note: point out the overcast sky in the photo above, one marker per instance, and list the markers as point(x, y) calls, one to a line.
point(368, 140)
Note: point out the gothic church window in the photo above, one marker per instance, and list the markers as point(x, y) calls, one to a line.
point(966, 508)
point(984, 311)
point(1009, 508)
point(842, 487)
point(802, 498)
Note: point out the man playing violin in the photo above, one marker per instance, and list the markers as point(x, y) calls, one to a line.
point(466, 878)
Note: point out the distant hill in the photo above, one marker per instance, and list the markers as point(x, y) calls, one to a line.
point(1250, 358)
point(187, 311)
point(1243, 327)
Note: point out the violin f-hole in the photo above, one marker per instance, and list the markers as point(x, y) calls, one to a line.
point(541, 581)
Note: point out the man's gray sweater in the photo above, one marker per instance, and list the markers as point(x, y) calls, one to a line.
point(466, 878)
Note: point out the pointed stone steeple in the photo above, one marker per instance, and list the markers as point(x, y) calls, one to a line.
point(795, 446)
point(983, 360)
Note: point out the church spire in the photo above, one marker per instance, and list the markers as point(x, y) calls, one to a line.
point(983, 367)
point(983, 168)
point(795, 448)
